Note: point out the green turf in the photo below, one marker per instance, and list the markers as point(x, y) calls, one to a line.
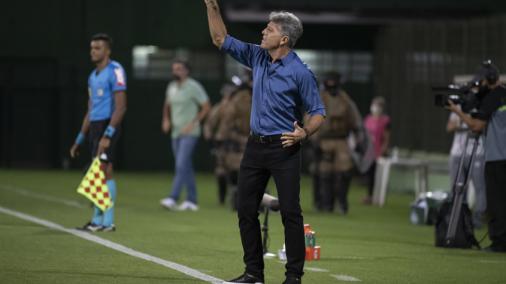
point(375, 245)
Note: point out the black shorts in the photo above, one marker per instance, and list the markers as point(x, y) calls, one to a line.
point(97, 129)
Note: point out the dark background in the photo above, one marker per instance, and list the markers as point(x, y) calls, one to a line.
point(44, 65)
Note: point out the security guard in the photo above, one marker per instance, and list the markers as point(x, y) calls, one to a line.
point(216, 134)
point(336, 164)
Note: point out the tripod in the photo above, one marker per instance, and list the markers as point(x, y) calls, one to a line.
point(265, 232)
point(459, 187)
point(269, 203)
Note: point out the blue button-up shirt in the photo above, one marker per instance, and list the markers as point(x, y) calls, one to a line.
point(282, 91)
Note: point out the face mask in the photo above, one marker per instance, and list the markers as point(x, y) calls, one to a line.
point(333, 92)
point(331, 87)
point(376, 110)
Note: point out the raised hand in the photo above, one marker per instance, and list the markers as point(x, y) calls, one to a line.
point(211, 4)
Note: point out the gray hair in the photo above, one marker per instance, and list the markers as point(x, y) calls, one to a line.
point(289, 24)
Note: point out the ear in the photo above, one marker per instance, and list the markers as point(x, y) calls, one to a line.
point(283, 41)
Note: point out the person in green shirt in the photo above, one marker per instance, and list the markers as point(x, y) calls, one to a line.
point(186, 105)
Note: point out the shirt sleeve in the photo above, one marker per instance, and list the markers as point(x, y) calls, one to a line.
point(246, 53)
point(388, 123)
point(490, 104)
point(454, 117)
point(118, 79)
point(167, 94)
point(199, 93)
point(311, 100)
point(89, 85)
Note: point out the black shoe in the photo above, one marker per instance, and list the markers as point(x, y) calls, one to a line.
point(292, 280)
point(111, 228)
point(90, 227)
point(246, 278)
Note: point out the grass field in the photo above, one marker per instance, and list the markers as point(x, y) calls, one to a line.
point(374, 245)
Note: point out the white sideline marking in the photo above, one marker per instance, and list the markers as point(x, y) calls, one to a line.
point(354, 257)
point(316, 269)
point(492, 261)
point(115, 246)
point(342, 277)
point(45, 197)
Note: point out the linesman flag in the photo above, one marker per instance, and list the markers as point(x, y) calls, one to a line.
point(94, 186)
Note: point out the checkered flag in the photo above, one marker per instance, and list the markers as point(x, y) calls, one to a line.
point(94, 186)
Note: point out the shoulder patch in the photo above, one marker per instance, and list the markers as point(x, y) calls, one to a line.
point(120, 77)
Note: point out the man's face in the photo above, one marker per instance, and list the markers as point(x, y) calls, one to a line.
point(179, 71)
point(272, 37)
point(99, 51)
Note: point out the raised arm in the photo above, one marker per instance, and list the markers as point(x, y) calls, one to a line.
point(217, 28)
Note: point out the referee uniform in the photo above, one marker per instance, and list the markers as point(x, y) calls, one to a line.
point(101, 88)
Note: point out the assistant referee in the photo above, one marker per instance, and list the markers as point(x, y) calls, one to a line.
point(106, 109)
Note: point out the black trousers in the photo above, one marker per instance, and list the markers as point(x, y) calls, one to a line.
point(495, 180)
point(260, 161)
point(224, 180)
point(371, 176)
point(335, 186)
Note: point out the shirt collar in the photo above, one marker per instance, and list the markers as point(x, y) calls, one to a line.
point(287, 59)
point(97, 72)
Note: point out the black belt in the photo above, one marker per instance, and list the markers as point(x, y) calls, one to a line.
point(265, 139)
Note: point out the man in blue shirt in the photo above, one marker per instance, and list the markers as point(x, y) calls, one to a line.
point(283, 89)
point(106, 109)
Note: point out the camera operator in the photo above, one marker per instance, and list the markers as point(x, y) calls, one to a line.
point(490, 119)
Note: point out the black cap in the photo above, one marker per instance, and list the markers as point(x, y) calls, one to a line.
point(487, 71)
